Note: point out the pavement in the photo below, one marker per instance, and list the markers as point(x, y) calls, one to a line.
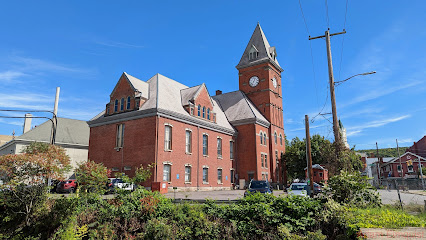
point(214, 195)
point(412, 197)
point(395, 234)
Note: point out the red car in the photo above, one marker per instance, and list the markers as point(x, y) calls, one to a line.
point(68, 186)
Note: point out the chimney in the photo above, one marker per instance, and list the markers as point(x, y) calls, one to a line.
point(218, 92)
point(27, 122)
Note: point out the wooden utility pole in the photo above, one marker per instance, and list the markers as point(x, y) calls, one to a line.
point(378, 164)
point(400, 164)
point(331, 81)
point(309, 156)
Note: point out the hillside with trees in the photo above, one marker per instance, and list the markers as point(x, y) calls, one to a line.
point(384, 152)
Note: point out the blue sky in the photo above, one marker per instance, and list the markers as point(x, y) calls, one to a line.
point(84, 46)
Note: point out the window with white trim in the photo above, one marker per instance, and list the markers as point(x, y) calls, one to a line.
point(199, 110)
point(266, 161)
point(261, 159)
point(128, 103)
point(208, 113)
point(219, 147)
point(116, 105)
point(167, 172)
point(119, 136)
point(205, 144)
point(219, 175)
point(264, 139)
point(399, 168)
point(167, 137)
point(275, 137)
point(205, 174)
point(261, 138)
point(122, 104)
point(188, 141)
point(281, 139)
point(187, 173)
point(204, 112)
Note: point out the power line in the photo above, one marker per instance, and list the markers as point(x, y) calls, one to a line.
point(303, 15)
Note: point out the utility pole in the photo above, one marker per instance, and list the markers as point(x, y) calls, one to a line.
point(399, 155)
point(378, 163)
point(55, 114)
point(331, 81)
point(309, 157)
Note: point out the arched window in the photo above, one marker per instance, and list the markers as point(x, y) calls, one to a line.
point(275, 137)
point(264, 138)
point(122, 104)
point(281, 139)
point(199, 110)
point(204, 112)
point(261, 138)
point(208, 113)
point(116, 105)
point(128, 103)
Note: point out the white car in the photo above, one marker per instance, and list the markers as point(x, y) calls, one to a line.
point(118, 183)
point(298, 189)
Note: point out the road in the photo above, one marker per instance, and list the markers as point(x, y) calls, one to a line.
point(390, 197)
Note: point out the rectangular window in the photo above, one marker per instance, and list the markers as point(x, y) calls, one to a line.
point(188, 137)
point(261, 159)
point(410, 168)
point(205, 175)
point(127, 168)
point(205, 145)
point(320, 174)
point(120, 136)
point(187, 174)
point(266, 161)
point(276, 155)
point(219, 148)
point(399, 168)
point(122, 104)
point(232, 176)
point(168, 138)
point(167, 172)
point(128, 103)
point(219, 176)
point(231, 149)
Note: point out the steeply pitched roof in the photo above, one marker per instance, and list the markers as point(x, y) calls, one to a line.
point(136, 84)
point(188, 94)
point(69, 131)
point(261, 44)
point(239, 109)
point(165, 99)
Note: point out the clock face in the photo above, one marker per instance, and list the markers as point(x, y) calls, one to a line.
point(274, 82)
point(254, 81)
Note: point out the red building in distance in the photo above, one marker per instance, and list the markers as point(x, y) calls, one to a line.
point(195, 140)
point(320, 173)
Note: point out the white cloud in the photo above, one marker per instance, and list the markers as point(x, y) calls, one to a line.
point(356, 130)
point(39, 65)
point(10, 76)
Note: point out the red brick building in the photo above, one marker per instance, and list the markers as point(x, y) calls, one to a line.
point(196, 140)
point(418, 147)
point(409, 164)
point(320, 173)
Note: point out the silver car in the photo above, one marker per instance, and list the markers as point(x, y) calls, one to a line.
point(298, 189)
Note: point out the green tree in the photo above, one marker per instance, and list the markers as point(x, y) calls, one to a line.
point(24, 190)
point(92, 177)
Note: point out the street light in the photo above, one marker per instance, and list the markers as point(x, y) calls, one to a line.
point(340, 82)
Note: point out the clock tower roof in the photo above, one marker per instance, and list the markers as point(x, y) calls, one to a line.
point(258, 51)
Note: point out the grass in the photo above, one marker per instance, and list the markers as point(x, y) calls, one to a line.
point(387, 216)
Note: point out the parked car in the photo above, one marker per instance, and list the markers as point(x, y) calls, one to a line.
point(115, 183)
point(68, 186)
point(261, 186)
point(317, 188)
point(298, 189)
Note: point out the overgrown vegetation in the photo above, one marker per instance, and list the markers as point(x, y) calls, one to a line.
point(323, 152)
point(143, 214)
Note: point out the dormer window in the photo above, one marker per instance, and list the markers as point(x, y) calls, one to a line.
point(204, 112)
point(128, 103)
point(208, 113)
point(122, 104)
point(116, 105)
point(253, 53)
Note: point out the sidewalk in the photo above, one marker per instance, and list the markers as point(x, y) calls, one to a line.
point(395, 234)
point(214, 195)
point(417, 192)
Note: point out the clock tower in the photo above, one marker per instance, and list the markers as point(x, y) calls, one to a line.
point(260, 80)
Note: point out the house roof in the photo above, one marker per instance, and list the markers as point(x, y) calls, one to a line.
point(396, 159)
point(137, 85)
point(188, 94)
point(239, 109)
point(165, 100)
point(68, 132)
point(259, 42)
point(317, 166)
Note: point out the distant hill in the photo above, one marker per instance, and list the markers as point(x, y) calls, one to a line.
point(385, 152)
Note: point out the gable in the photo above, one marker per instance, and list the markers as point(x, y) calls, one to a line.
point(123, 88)
point(202, 97)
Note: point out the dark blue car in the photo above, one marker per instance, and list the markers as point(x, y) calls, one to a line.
point(261, 186)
